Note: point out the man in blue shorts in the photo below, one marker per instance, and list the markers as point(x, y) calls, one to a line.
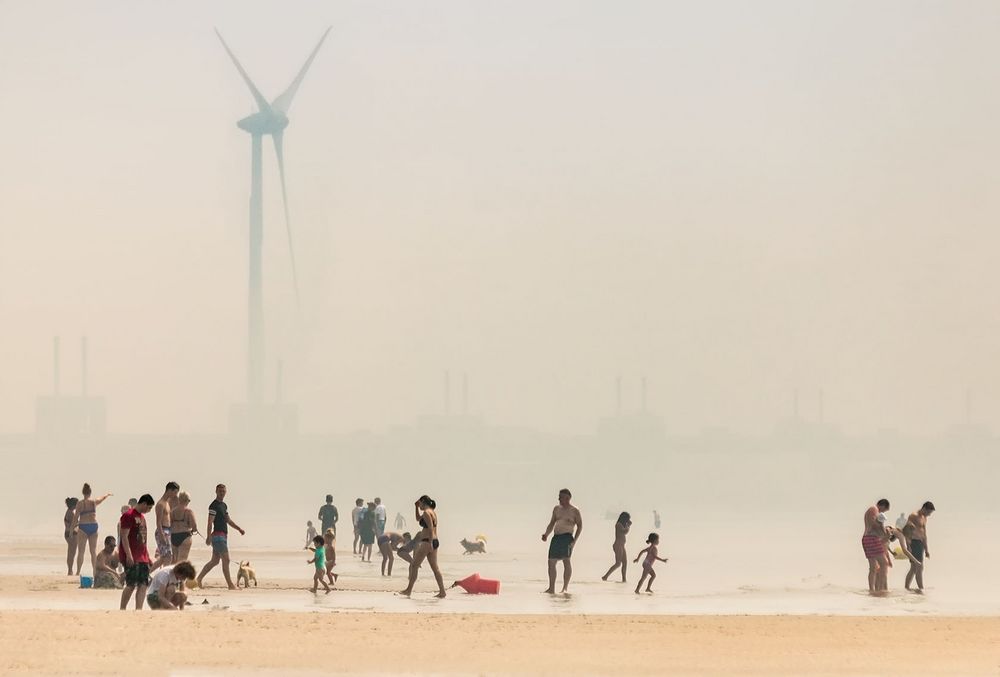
point(218, 536)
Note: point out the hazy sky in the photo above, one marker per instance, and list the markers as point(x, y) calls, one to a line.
point(734, 198)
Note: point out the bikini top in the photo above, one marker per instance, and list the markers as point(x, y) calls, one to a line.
point(179, 521)
point(422, 522)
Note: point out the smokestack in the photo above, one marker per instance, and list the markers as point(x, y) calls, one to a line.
point(644, 393)
point(618, 395)
point(277, 383)
point(55, 366)
point(465, 394)
point(447, 393)
point(83, 366)
point(820, 405)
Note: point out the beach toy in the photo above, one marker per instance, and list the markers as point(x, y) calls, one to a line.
point(474, 585)
point(86, 582)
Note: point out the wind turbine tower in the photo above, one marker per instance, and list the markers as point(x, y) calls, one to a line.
point(271, 119)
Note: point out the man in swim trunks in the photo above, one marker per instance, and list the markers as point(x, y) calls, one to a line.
point(167, 502)
point(565, 519)
point(219, 523)
point(132, 551)
point(873, 544)
point(916, 534)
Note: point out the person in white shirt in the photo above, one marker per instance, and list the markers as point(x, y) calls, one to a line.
point(166, 590)
point(379, 517)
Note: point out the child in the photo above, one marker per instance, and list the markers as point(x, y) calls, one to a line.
point(310, 534)
point(647, 564)
point(329, 546)
point(319, 559)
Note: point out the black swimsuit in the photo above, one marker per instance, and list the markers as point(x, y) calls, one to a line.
point(434, 542)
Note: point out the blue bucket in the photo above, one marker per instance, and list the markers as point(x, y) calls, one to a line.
point(86, 582)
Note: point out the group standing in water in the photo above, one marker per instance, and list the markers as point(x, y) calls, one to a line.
point(910, 535)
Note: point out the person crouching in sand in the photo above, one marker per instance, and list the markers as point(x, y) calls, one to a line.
point(166, 590)
point(107, 566)
point(647, 564)
point(319, 559)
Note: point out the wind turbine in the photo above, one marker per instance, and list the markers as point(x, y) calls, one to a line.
point(269, 120)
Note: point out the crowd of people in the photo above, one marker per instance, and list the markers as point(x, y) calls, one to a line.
point(125, 562)
point(161, 580)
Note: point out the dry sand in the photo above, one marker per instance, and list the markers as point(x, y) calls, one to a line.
point(216, 642)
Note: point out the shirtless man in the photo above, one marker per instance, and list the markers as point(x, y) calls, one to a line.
point(873, 544)
point(565, 519)
point(106, 575)
point(162, 509)
point(916, 533)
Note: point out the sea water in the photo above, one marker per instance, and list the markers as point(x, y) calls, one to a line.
point(792, 564)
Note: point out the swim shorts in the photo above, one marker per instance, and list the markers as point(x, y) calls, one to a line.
point(163, 543)
point(873, 546)
point(220, 544)
point(137, 575)
point(561, 546)
point(917, 547)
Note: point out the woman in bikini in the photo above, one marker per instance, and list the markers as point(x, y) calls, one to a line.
point(69, 528)
point(622, 526)
point(427, 543)
point(86, 527)
point(182, 527)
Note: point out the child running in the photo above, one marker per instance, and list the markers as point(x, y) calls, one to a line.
point(647, 564)
point(330, 550)
point(319, 559)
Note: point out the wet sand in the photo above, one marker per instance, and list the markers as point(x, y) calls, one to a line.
point(203, 642)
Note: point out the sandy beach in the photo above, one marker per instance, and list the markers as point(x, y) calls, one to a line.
point(215, 640)
point(221, 643)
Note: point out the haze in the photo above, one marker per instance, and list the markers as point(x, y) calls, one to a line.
point(736, 200)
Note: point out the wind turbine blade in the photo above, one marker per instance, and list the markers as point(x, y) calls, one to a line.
point(279, 151)
point(262, 103)
point(284, 100)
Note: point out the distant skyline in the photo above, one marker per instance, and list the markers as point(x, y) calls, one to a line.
point(735, 199)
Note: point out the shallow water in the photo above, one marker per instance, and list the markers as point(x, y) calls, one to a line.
point(716, 582)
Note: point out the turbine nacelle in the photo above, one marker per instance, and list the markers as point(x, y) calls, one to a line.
point(264, 122)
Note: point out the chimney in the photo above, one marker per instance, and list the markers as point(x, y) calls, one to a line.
point(83, 366)
point(55, 365)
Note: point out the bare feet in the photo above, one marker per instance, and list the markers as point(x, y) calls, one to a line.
point(550, 591)
point(604, 578)
point(404, 593)
point(441, 595)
